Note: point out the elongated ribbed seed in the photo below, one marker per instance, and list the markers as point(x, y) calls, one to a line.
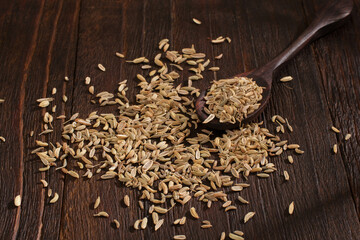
point(335, 129)
point(127, 200)
point(248, 216)
point(194, 213)
point(196, 21)
point(286, 79)
point(117, 223)
point(97, 202)
point(291, 207)
point(55, 198)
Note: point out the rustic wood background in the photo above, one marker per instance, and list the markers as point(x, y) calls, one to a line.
point(43, 41)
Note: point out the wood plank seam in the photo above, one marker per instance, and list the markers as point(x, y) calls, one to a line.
point(21, 112)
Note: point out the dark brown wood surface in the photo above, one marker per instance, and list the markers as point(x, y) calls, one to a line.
point(41, 42)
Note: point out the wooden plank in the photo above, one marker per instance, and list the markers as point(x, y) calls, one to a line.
point(337, 57)
point(16, 56)
point(51, 56)
point(105, 27)
point(322, 94)
point(60, 63)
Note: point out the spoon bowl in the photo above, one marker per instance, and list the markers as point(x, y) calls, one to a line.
point(216, 124)
point(329, 18)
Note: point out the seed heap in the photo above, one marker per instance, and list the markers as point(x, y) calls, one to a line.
point(232, 100)
point(147, 145)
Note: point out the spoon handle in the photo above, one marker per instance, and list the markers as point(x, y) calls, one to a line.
point(329, 18)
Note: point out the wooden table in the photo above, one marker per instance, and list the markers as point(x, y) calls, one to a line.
point(43, 41)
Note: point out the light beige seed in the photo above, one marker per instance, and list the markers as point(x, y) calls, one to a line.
point(182, 220)
point(53, 92)
point(43, 169)
point(44, 183)
point(209, 118)
point(299, 151)
point(263, 175)
point(97, 202)
point(120, 55)
point(127, 200)
point(281, 119)
point(214, 69)
point(205, 226)
point(226, 204)
point(160, 210)
point(141, 204)
point(335, 129)
point(293, 146)
point(196, 21)
point(141, 78)
point(152, 73)
point(179, 237)
point(235, 236)
point(286, 176)
point(194, 213)
point(117, 224)
point(240, 233)
point(138, 60)
point(44, 104)
point(177, 221)
point(31, 133)
point(232, 207)
point(41, 144)
point(291, 208)
point(66, 78)
point(218, 40)
point(155, 217)
point(73, 174)
point(49, 99)
point(17, 201)
point(145, 67)
point(248, 216)
point(236, 188)
point(2, 139)
point(286, 79)
point(335, 148)
point(101, 214)
point(290, 159)
point(219, 56)
point(242, 200)
point(288, 125)
point(87, 80)
point(136, 224)
point(144, 223)
point(55, 198)
point(101, 67)
point(166, 47)
point(273, 118)
point(223, 236)
point(64, 98)
point(347, 137)
point(91, 89)
point(2, 100)
point(159, 224)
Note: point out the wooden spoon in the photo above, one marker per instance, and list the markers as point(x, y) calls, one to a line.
point(331, 17)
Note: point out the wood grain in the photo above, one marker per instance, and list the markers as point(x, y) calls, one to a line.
point(339, 80)
point(42, 41)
